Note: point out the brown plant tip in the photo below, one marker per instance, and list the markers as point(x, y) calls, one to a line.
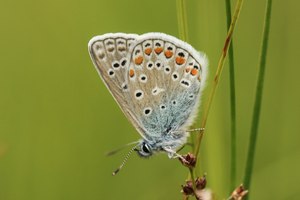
point(188, 160)
point(239, 193)
point(201, 182)
point(187, 189)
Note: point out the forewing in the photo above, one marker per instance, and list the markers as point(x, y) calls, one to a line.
point(110, 54)
point(165, 77)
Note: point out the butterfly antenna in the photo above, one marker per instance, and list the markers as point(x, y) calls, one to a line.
point(113, 152)
point(196, 129)
point(124, 161)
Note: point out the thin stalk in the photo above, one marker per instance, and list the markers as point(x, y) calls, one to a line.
point(182, 20)
point(232, 104)
point(258, 98)
point(218, 74)
point(193, 178)
point(183, 34)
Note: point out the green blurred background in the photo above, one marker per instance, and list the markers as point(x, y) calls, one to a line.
point(57, 119)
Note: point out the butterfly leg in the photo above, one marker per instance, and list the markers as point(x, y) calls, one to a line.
point(173, 154)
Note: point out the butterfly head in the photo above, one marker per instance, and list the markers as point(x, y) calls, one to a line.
point(168, 144)
point(145, 150)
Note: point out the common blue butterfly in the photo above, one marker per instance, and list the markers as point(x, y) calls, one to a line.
point(157, 80)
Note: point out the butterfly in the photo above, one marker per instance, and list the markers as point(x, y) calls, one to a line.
point(157, 80)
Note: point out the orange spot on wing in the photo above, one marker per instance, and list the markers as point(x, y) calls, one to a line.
point(180, 60)
point(138, 60)
point(148, 51)
point(194, 72)
point(168, 54)
point(131, 73)
point(158, 50)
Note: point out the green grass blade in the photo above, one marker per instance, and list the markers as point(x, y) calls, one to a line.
point(258, 98)
point(232, 104)
point(182, 20)
point(207, 107)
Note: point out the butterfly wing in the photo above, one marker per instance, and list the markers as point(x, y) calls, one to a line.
point(110, 54)
point(165, 77)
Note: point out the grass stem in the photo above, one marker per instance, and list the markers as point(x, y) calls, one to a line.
point(218, 74)
point(182, 20)
point(183, 34)
point(232, 104)
point(258, 98)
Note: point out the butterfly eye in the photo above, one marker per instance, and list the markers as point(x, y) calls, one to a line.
point(146, 148)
